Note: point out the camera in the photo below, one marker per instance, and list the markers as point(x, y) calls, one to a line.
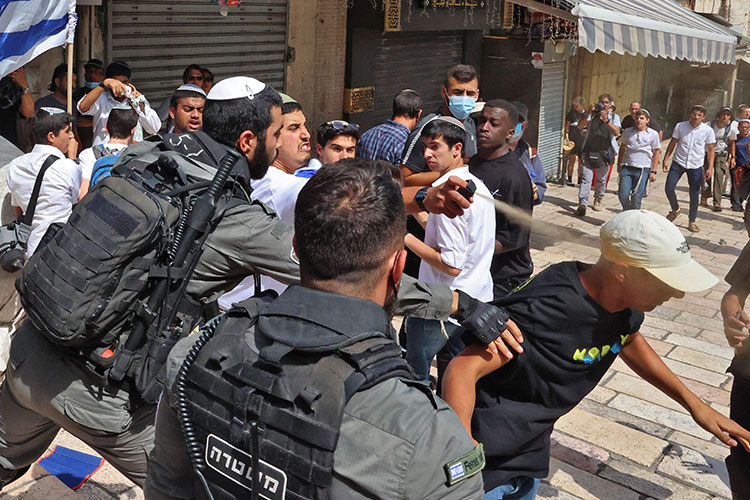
point(598, 107)
point(13, 238)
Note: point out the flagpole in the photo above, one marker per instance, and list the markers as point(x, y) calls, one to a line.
point(70, 78)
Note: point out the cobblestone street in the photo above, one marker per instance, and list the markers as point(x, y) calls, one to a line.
point(626, 440)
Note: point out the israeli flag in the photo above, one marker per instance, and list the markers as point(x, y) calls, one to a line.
point(30, 27)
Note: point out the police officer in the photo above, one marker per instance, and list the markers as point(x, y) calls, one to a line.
point(395, 439)
point(47, 388)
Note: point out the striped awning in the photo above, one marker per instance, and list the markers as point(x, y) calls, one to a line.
point(658, 28)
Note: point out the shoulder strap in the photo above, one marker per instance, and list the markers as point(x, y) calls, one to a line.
point(28, 217)
point(98, 151)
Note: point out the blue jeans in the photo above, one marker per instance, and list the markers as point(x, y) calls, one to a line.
point(517, 488)
point(425, 338)
point(695, 182)
point(633, 181)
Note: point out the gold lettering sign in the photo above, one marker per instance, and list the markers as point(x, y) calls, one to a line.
point(359, 100)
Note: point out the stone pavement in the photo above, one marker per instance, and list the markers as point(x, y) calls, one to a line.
point(626, 440)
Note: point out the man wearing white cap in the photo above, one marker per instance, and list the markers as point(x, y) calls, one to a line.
point(577, 318)
point(186, 109)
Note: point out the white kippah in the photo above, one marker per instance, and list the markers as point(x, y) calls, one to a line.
point(236, 87)
point(191, 88)
point(52, 111)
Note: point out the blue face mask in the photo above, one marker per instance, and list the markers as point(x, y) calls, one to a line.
point(91, 85)
point(518, 132)
point(461, 106)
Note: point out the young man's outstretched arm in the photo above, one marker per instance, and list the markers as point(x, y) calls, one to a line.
point(642, 359)
point(465, 370)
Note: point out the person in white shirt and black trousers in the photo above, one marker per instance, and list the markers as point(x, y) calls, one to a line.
point(691, 142)
point(53, 134)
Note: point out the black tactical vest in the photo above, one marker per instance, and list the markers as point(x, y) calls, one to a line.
point(283, 405)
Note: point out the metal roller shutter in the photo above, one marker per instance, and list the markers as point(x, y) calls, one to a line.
point(159, 38)
point(411, 60)
point(551, 117)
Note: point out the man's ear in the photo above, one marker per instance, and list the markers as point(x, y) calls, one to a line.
point(247, 143)
point(51, 136)
point(444, 93)
point(399, 263)
point(419, 115)
point(619, 272)
point(172, 111)
point(318, 150)
point(294, 244)
point(457, 149)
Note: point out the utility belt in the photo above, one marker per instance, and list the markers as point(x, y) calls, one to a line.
point(607, 156)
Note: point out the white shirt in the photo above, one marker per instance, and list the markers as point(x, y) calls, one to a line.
point(278, 190)
point(57, 195)
point(466, 242)
point(148, 120)
point(87, 158)
point(721, 145)
point(638, 147)
point(691, 148)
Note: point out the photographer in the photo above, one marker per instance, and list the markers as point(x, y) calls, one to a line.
point(598, 151)
point(114, 90)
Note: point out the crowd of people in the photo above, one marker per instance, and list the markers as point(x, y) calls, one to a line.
point(712, 155)
point(297, 388)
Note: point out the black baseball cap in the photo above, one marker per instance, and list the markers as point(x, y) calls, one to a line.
point(118, 68)
point(96, 63)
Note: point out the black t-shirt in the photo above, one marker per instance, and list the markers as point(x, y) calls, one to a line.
point(570, 342)
point(628, 122)
point(414, 147)
point(574, 132)
point(508, 181)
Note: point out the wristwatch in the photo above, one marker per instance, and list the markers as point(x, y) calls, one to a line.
point(27, 90)
point(419, 198)
point(101, 84)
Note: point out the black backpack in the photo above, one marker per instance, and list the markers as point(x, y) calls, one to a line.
point(87, 286)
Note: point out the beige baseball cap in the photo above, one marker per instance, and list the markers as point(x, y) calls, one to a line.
point(644, 239)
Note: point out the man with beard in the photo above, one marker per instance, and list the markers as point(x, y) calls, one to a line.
point(242, 114)
point(394, 438)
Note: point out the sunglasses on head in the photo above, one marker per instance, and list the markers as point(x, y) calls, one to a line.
point(342, 125)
